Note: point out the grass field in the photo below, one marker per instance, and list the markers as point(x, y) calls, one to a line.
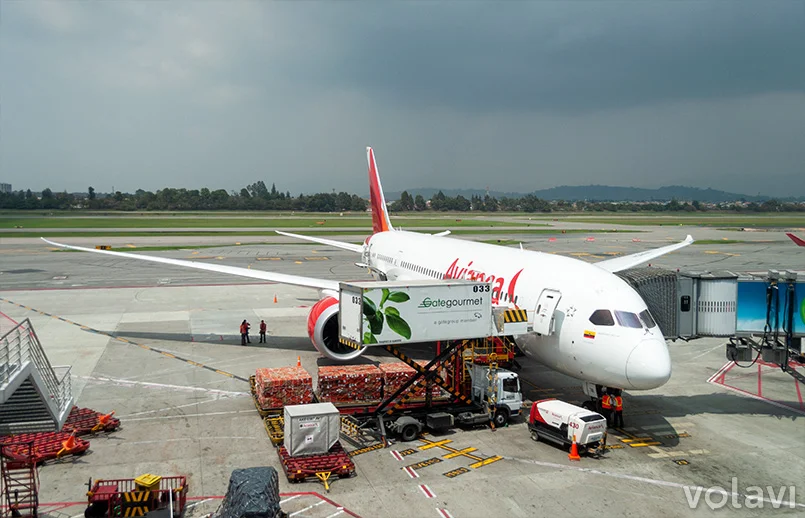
point(267, 233)
point(332, 221)
point(701, 219)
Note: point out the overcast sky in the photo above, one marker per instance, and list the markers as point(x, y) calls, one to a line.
point(514, 95)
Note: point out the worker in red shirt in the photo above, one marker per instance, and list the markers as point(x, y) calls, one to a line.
point(263, 331)
point(617, 419)
point(244, 333)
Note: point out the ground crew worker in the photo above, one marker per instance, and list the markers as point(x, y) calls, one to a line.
point(617, 420)
point(244, 333)
point(263, 331)
point(606, 407)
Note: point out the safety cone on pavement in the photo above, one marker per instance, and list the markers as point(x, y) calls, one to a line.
point(298, 361)
point(275, 298)
point(68, 446)
point(103, 420)
point(574, 451)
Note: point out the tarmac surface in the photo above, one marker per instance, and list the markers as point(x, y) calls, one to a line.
point(129, 328)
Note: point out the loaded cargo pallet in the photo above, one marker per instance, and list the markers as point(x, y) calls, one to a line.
point(42, 446)
point(85, 421)
point(335, 462)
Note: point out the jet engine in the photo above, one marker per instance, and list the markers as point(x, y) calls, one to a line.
point(322, 327)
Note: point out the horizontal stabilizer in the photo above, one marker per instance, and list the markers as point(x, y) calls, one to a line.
point(322, 241)
point(617, 264)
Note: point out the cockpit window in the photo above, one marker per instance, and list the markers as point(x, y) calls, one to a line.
point(602, 317)
point(627, 319)
point(645, 317)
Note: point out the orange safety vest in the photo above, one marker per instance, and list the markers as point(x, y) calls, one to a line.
point(606, 402)
point(263, 327)
point(244, 329)
point(618, 403)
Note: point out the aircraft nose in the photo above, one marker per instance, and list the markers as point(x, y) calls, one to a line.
point(649, 365)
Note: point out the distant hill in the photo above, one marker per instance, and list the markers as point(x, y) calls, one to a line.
point(604, 193)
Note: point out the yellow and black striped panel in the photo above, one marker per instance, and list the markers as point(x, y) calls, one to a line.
point(349, 343)
point(515, 315)
point(135, 503)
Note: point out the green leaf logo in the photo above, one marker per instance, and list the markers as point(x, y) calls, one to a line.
point(369, 338)
point(398, 296)
point(398, 325)
point(376, 323)
point(385, 296)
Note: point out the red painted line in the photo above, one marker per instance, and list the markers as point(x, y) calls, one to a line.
point(759, 398)
point(426, 490)
point(396, 455)
point(444, 513)
point(411, 472)
point(799, 395)
point(759, 387)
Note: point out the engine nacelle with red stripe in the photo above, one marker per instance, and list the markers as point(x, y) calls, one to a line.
point(322, 327)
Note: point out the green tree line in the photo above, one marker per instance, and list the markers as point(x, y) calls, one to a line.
point(258, 196)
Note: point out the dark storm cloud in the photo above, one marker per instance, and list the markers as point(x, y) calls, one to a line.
point(516, 95)
point(549, 57)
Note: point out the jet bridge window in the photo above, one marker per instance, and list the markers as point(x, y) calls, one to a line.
point(602, 317)
point(647, 320)
point(627, 319)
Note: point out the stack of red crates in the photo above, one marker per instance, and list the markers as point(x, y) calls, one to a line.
point(395, 375)
point(283, 386)
point(350, 384)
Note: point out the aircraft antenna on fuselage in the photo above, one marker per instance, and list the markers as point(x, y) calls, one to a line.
point(380, 215)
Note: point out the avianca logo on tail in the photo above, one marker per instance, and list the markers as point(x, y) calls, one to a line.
point(456, 272)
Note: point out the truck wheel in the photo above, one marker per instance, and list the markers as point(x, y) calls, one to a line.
point(409, 432)
point(501, 417)
point(534, 436)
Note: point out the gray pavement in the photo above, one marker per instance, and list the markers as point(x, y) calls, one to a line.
point(179, 418)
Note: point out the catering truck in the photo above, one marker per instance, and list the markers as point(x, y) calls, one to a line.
point(562, 423)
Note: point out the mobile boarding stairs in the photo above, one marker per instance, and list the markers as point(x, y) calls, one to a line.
point(34, 395)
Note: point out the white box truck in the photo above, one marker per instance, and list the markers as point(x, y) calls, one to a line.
point(561, 422)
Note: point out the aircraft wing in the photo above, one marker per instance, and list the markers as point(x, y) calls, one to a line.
point(281, 278)
point(329, 242)
point(617, 264)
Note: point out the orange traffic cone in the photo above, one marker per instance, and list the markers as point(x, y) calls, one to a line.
point(275, 298)
point(103, 420)
point(574, 451)
point(298, 361)
point(68, 446)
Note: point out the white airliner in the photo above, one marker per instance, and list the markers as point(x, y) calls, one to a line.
point(587, 322)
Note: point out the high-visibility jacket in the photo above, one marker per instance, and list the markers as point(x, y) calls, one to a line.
point(618, 403)
point(606, 402)
point(262, 327)
point(244, 329)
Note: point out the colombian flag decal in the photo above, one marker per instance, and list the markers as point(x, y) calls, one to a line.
point(589, 334)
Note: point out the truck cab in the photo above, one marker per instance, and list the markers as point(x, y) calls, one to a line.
point(563, 423)
point(505, 392)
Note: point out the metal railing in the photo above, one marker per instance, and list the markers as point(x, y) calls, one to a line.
point(21, 345)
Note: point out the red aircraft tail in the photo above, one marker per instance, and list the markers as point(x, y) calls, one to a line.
point(795, 239)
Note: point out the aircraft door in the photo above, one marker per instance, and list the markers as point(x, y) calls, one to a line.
point(544, 312)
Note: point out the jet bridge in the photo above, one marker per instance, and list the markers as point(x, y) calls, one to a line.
point(762, 316)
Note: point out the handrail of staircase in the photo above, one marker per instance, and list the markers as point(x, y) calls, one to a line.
point(22, 344)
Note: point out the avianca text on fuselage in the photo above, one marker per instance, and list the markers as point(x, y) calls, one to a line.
point(498, 281)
